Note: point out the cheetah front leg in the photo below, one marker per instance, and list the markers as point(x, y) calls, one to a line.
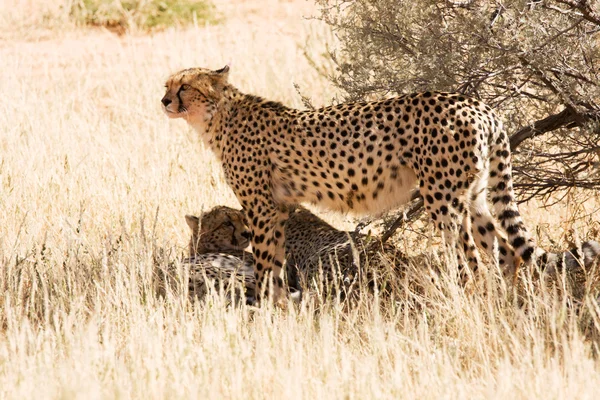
point(266, 221)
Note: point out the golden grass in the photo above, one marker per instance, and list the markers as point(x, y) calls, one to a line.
point(95, 182)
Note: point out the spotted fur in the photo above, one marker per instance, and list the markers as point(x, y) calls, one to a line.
point(362, 157)
point(221, 271)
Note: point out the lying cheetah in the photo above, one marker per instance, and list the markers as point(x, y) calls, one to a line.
point(314, 247)
point(362, 157)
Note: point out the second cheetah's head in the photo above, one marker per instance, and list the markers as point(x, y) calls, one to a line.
point(194, 93)
point(221, 229)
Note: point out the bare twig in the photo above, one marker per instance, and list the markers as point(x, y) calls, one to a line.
point(305, 99)
point(407, 216)
point(555, 88)
point(564, 119)
point(585, 8)
point(578, 76)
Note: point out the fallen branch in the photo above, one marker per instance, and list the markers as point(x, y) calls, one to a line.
point(585, 8)
point(565, 118)
point(407, 216)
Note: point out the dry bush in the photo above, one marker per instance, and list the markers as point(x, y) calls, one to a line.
point(533, 61)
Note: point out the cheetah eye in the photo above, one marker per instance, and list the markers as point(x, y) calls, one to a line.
point(185, 87)
point(228, 224)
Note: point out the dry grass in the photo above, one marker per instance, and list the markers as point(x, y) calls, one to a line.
point(94, 184)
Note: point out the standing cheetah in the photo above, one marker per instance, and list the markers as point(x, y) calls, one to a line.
point(363, 157)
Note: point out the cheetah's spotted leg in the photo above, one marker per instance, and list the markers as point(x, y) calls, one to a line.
point(446, 207)
point(468, 247)
point(267, 222)
point(447, 223)
point(488, 236)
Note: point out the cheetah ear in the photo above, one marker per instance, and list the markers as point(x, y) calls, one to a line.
point(193, 222)
point(221, 75)
point(224, 70)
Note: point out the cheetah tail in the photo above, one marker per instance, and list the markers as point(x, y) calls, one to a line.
point(503, 196)
point(572, 260)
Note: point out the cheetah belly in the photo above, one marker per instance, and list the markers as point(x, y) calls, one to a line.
point(341, 192)
point(397, 192)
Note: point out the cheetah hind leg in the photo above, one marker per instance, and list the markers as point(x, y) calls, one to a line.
point(469, 248)
point(448, 223)
point(488, 236)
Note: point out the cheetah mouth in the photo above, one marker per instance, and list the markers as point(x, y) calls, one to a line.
point(240, 243)
point(172, 114)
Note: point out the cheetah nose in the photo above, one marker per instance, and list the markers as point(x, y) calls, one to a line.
point(166, 101)
point(246, 234)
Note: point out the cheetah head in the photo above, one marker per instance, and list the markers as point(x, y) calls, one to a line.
point(193, 94)
point(221, 229)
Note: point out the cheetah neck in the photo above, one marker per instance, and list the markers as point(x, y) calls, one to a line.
point(203, 123)
point(231, 104)
point(215, 122)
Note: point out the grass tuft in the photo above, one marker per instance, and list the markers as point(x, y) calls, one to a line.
point(145, 15)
